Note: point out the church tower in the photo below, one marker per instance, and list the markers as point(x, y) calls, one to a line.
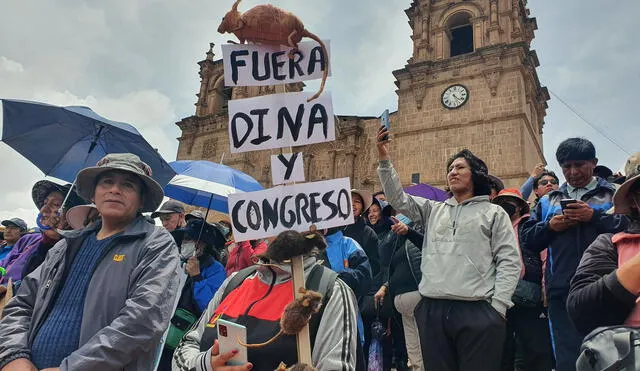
point(470, 83)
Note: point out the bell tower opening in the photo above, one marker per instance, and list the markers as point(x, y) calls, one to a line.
point(460, 34)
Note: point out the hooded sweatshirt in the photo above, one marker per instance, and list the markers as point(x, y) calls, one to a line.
point(469, 252)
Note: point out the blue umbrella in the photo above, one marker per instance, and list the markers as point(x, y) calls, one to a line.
point(207, 184)
point(61, 141)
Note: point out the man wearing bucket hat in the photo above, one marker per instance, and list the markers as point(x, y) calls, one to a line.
point(29, 252)
point(105, 294)
point(606, 286)
point(525, 327)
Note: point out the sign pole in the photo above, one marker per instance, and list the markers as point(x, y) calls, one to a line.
point(303, 338)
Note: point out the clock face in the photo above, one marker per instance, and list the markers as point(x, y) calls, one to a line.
point(455, 96)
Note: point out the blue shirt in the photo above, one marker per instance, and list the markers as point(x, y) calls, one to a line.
point(4, 251)
point(59, 335)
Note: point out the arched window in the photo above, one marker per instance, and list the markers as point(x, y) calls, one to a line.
point(460, 33)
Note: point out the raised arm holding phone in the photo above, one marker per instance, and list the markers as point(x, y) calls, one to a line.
point(472, 287)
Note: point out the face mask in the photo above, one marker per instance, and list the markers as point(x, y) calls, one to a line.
point(224, 230)
point(509, 208)
point(187, 250)
point(40, 225)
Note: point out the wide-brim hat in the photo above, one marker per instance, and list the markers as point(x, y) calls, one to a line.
point(367, 198)
point(211, 233)
point(512, 194)
point(620, 198)
point(43, 188)
point(127, 162)
point(194, 214)
point(77, 215)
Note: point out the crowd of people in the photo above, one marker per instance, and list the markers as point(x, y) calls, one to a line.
point(493, 278)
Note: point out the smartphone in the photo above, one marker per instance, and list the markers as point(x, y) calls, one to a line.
point(228, 335)
point(564, 203)
point(384, 121)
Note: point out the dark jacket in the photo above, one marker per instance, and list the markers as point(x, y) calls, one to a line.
point(530, 258)
point(404, 270)
point(367, 239)
point(129, 301)
point(566, 248)
point(597, 298)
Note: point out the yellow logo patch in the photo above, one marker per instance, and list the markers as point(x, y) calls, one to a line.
point(118, 257)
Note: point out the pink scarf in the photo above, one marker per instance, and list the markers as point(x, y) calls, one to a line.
point(628, 246)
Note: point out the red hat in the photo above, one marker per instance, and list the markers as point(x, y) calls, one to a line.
point(513, 194)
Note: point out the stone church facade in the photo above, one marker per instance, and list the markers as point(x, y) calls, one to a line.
point(482, 45)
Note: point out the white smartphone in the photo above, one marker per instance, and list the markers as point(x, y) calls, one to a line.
point(228, 335)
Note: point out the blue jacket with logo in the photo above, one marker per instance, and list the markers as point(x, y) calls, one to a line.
point(565, 249)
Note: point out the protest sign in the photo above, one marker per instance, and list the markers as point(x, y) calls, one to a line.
point(287, 168)
point(280, 120)
point(257, 65)
point(266, 213)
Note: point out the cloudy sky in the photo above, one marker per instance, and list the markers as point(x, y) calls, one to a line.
point(135, 61)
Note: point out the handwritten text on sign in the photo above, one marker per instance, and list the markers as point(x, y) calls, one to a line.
point(287, 168)
point(256, 65)
point(266, 213)
point(280, 120)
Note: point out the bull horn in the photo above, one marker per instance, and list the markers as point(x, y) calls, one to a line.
point(235, 5)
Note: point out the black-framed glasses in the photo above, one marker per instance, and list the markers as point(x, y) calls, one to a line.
point(544, 182)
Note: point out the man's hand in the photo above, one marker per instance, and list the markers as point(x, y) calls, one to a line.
point(399, 227)
point(20, 364)
point(539, 169)
point(579, 211)
point(383, 144)
point(52, 369)
point(193, 266)
point(561, 223)
point(379, 296)
point(219, 361)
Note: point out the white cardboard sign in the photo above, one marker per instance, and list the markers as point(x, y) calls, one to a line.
point(280, 120)
point(287, 168)
point(256, 65)
point(267, 213)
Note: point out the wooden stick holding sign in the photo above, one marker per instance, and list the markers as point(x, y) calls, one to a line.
point(303, 338)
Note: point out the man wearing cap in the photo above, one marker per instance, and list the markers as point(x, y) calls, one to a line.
point(566, 222)
point(14, 229)
point(526, 326)
point(29, 252)
point(104, 296)
point(606, 286)
point(171, 214)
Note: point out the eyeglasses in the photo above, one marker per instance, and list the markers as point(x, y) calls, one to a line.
point(544, 182)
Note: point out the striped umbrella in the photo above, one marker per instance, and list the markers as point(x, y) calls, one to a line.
point(207, 184)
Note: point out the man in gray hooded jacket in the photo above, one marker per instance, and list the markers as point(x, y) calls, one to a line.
point(104, 296)
point(470, 265)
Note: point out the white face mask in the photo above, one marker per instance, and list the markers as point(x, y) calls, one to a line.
point(187, 250)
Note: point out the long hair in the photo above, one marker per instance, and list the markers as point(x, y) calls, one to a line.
point(479, 172)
